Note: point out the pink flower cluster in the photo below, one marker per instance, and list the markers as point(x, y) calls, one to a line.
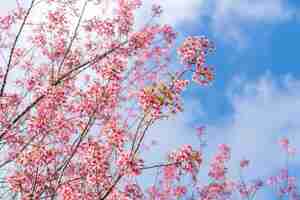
point(217, 167)
point(284, 185)
point(249, 190)
point(244, 163)
point(95, 165)
point(149, 101)
point(193, 51)
point(133, 191)
point(56, 18)
point(141, 40)
point(187, 159)
point(168, 33)
point(179, 191)
point(180, 85)
point(157, 98)
point(101, 27)
point(37, 156)
point(203, 75)
point(111, 69)
point(115, 135)
point(286, 146)
point(6, 22)
point(215, 191)
point(170, 172)
point(130, 165)
point(125, 16)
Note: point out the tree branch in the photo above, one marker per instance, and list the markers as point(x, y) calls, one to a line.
point(160, 165)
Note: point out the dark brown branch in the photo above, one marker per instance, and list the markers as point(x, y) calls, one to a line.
point(160, 165)
point(81, 137)
point(28, 108)
point(111, 188)
point(90, 62)
point(34, 183)
point(142, 137)
point(136, 132)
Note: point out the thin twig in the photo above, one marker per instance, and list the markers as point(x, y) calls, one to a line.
point(73, 37)
point(13, 49)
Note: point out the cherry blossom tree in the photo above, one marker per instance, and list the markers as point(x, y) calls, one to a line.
point(81, 84)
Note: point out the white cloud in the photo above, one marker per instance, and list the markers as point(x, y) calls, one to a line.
point(263, 112)
point(176, 131)
point(254, 10)
point(177, 12)
point(229, 17)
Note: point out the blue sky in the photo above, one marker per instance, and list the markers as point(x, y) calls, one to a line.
point(255, 99)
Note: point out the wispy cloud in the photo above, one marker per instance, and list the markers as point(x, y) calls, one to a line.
point(8, 5)
point(176, 12)
point(176, 131)
point(230, 17)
